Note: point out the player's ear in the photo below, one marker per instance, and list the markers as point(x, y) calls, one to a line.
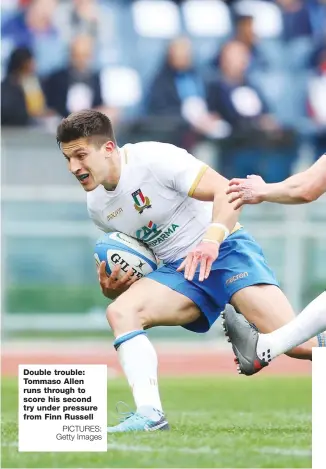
point(109, 146)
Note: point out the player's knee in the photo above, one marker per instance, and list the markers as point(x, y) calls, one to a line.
point(123, 319)
point(114, 315)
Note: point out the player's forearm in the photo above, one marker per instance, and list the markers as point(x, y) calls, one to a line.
point(223, 211)
point(212, 188)
point(301, 188)
point(294, 190)
point(224, 215)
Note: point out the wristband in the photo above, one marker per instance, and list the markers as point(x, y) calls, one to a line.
point(216, 233)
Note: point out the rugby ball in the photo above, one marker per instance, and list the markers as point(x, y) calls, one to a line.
point(118, 248)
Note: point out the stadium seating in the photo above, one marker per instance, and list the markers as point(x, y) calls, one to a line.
point(208, 23)
point(154, 24)
point(133, 42)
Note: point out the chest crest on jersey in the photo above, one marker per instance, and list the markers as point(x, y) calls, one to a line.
point(141, 201)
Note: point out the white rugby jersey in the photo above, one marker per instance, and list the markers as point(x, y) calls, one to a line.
point(151, 201)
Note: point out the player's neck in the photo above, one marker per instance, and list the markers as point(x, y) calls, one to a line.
point(114, 172)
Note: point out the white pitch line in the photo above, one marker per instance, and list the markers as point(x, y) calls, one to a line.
point(163, 449)
point(144, 449)
point(300, 453)
point(202, 413)
point(285, 451)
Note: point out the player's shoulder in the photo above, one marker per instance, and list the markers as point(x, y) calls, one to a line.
point(145, 152)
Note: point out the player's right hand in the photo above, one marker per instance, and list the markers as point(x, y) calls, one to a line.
point(246, 191)
point(111, 285)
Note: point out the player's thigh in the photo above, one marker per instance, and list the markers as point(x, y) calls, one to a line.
point(154, 304)
point(268, 308)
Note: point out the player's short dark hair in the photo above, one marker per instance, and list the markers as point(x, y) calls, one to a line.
point(90, 124)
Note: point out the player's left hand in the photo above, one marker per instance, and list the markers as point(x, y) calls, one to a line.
point(204, 255)
point(246, 191)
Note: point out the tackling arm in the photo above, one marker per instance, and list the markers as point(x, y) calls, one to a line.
point(301, 188)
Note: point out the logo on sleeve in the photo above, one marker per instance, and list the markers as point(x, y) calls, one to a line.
point(141, 201)
point(115, 213)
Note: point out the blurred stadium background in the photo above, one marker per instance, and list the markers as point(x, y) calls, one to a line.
point(242, 85)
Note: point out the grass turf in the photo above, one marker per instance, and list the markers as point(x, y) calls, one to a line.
point(216, 422)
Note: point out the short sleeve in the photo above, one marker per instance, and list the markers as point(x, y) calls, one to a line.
point(94, 216)
point(175, 168)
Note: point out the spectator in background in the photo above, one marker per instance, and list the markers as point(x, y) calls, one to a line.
point(317, 10)
point(176, 81)
point(244, 33)
point(34, 28)
point(76, 86)
point(32, 25)
point(233, 97)
point(93, 18)
point(78, 17)
point(23, 101)
point(296, 19)
point(178, 93)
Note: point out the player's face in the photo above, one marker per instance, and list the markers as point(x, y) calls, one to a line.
point(88, 163)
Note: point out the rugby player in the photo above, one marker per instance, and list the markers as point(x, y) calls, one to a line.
point(253, 350)
point(177, 205)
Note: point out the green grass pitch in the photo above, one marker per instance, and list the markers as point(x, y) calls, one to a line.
point(216, 422)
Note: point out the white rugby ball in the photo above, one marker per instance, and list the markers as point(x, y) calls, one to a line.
point(117, 248)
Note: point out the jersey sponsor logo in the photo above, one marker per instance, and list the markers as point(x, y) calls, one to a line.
point(148, 232)
point(115, 213)
point(152, 236)
point(141, 201)
point(236, 277)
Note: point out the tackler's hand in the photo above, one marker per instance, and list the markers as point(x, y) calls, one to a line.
point(113, 285)
point(204, 255)
point(246, 191)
